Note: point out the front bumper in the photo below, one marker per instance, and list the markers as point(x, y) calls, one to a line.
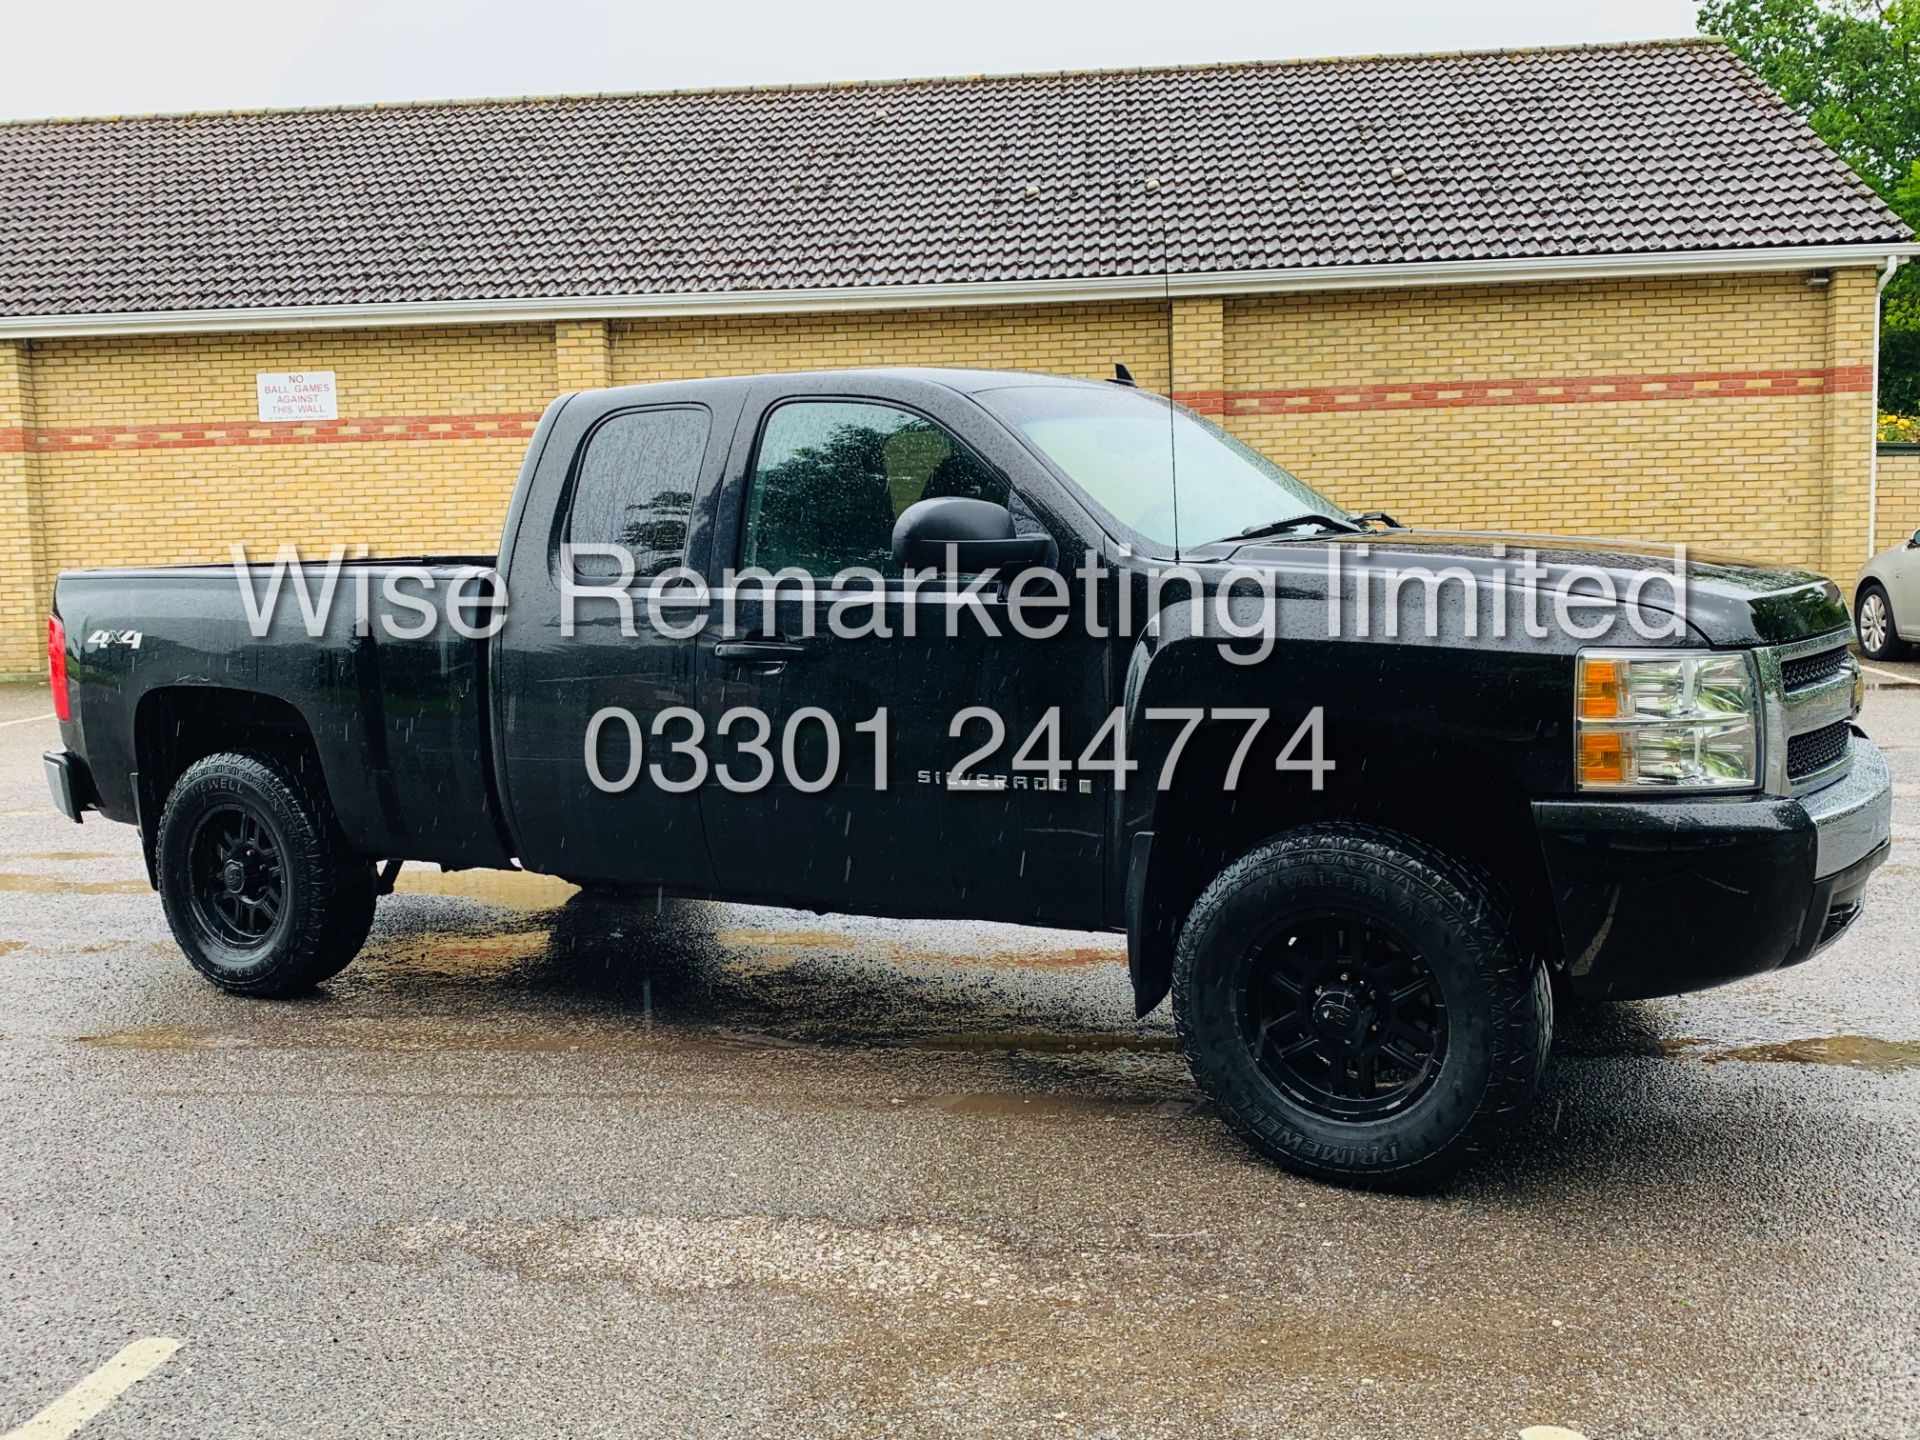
point(1659, 897)
point(70, 781)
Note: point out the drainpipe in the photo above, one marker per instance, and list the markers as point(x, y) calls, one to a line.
point(1873, 462)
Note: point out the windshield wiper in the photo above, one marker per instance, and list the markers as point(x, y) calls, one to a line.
point(1294, 522)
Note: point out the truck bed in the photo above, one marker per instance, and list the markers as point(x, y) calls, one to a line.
point(400, 725)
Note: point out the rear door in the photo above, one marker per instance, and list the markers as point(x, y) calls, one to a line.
point(627, 500)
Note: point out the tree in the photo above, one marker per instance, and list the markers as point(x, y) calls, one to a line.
point(1852, 68)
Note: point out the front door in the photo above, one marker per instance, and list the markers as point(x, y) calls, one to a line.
point(823, 482)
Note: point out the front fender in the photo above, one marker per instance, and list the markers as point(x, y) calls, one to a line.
point(1411, 730)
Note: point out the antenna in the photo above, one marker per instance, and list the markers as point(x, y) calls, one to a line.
point(1157, 186)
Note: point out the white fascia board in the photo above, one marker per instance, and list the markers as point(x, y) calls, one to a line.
point(936, 296)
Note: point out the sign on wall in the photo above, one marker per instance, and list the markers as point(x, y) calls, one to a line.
point(297, 395)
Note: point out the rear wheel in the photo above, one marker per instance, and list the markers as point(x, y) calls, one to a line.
point(260, 892)
point(1356, 1004)
point(1874, 623)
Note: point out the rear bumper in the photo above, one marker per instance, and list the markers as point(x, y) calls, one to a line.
point(1661, 897)
point(70, 782)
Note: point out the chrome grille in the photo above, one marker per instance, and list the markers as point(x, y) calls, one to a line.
point(1804, 670)
point(1816, 750)
point(1808, 687)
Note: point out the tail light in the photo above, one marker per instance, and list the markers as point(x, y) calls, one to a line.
point(57, 667)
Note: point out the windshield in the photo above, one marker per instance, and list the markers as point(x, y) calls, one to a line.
point(1116, 443)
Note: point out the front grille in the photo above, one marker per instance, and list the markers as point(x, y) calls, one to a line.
point(1817, 749)
point(1805, 670)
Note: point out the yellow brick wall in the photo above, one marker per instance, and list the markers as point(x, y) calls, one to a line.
point(1085, 340)
point(583, 355)
point(428, 370)
point(23, 570)
point(1853, 327)
point(149, 503)
point(1310, 379)
point(1748, 475)
point(1899, 507)
point(1199, 345)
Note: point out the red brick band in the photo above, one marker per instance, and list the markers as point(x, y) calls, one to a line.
point(1573, 390)
point(387, 430)
point(1306, 400)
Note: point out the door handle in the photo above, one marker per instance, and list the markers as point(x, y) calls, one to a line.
point(759, 652)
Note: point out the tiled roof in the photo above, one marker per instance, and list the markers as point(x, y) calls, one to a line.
point(1669, 146)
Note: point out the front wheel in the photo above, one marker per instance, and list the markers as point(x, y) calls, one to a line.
point(1874, 622)
point(1357, 1005)
point(259, 890)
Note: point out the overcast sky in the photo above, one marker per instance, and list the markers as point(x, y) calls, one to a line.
point(92, 57)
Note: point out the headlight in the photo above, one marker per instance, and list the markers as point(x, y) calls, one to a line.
point(1666, 719)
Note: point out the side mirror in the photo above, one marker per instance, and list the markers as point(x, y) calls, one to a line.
point(1913, 541)
point(958, 536)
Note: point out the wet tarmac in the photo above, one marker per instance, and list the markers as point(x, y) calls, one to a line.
point(542, 1165)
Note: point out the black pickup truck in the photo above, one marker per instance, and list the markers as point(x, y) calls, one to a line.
point(949, 643)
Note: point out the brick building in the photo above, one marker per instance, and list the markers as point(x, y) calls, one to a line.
point(1610, 290)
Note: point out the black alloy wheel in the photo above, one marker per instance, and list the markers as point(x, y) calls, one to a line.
point(1344, 1017)
point(239, 875)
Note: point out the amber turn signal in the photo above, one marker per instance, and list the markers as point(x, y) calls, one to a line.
point(1603, 757)
point(1599, 688)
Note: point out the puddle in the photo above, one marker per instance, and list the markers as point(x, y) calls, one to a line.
point(784, 939)
point(165, 1037)
point(435, 1034)
point(594, 977)
point(1069, 958)
point(1859, 1052)
point(519, 889)
point(447, 954)
point(56, 885)
point(1045, 1041)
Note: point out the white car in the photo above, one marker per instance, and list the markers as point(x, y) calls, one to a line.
point(1886, 601)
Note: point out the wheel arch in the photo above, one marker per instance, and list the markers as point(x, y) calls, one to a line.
point(1412, 786)
point(175, 725)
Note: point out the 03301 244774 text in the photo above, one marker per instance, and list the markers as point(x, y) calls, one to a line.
point(810, 752)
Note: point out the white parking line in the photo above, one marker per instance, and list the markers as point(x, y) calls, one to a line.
point(1894, 676)
point(74, 1409)
point(27, 721)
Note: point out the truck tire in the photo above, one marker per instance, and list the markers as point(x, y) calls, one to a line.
point(1357, 1006)
point(1879, 640)
point(259, 889)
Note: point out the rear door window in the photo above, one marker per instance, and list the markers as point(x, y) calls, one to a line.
point(634, 489)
